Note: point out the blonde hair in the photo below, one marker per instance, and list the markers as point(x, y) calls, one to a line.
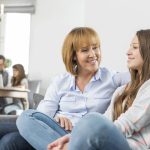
point(74, 41)
point(130, 92)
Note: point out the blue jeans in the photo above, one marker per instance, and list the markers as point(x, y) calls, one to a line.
point(39, 129)
point(95, 132)
point(10, 139)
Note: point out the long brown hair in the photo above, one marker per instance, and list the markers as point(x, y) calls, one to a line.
point(17, 80)
point(130, 92)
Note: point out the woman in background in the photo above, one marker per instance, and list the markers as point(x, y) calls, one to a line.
point(18, 80)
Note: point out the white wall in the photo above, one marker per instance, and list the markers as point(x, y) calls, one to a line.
point(50, 24)
point(115, 21)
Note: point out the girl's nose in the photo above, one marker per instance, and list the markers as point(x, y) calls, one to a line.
point(128, 52)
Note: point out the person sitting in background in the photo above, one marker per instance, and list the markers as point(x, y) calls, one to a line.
point(126, 123)
point(3, 72)
point(18, 80)
point(5, 80)
point(86, 87)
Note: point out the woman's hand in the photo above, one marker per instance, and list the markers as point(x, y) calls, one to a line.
point(59, 144)
point(64, 122)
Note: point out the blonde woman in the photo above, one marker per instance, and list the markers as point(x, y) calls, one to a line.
point(86, 87)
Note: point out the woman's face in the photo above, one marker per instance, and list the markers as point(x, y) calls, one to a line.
point(135, 60)
point(88, 58)
point(15, 72)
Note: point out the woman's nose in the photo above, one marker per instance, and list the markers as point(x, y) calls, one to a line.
point(91, 53)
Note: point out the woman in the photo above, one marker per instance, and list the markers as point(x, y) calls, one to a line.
point(18, 80)
point(84, 88)
point(126, 123)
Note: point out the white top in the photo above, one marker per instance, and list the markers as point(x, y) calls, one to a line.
point(135, 122)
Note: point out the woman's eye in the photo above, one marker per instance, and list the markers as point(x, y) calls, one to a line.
point(95, 48)
point(84, 50)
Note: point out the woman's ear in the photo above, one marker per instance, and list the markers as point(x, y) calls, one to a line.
point(74, 58)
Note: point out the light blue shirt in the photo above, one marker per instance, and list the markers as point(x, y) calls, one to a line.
point(63, 97)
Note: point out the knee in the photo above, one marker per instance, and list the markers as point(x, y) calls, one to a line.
point(24, 119)
point(95, 123)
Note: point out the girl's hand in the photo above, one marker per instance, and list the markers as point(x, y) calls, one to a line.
point(59, 144)
point(64, 122)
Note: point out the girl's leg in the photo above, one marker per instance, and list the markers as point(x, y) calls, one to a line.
point(39, 129)
point(95, 132)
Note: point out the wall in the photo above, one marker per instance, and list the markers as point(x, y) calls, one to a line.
point(49, 26)
point(115, 21)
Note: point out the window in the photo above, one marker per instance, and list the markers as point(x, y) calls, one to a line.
point(17, 38)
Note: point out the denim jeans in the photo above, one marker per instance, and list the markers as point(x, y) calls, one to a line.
point(39, 129)
point(10, 139)
point(95, 132)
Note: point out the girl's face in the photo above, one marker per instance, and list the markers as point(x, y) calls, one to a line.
point(88, 58)
point(135, 60)
point(15, 72)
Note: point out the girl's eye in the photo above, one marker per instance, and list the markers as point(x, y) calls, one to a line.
point(135, 47)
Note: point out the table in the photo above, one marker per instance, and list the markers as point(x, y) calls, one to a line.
point(14, 92)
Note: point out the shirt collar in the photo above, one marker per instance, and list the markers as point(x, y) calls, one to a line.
point(97, 76)
point(72, 83)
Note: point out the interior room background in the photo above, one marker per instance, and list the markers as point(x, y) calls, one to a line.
point(115, 21)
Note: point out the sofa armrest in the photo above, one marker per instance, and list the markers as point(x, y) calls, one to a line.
point(8, 118)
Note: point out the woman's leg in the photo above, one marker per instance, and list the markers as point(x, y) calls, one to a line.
point(95, 132)
point(6, 127)
point(39, 129)
point(14, 141)
point(10, 139)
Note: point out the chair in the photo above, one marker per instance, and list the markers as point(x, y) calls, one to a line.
point(34, 85)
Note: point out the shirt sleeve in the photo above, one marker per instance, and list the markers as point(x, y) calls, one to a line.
point(24, 82)
point(121, 78)
point(51, 100)
point(138, 115)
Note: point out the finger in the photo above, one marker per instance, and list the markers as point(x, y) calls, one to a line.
point(57, 119)
point(66, 122)
point(62, 122)
point(70, 126)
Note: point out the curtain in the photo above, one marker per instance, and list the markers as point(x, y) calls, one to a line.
point(18, 6)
